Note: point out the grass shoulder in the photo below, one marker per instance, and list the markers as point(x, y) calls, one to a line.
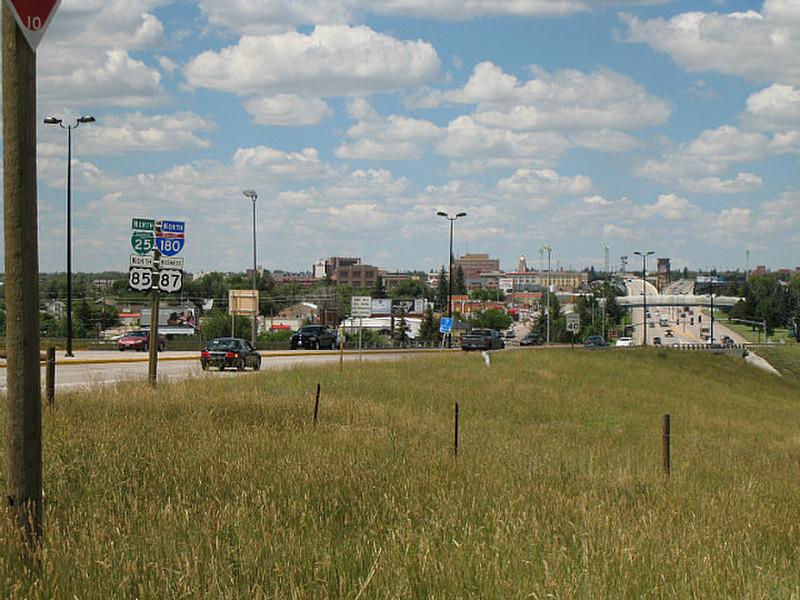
point(225, 487)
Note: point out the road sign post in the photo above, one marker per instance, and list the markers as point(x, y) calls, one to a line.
point(445, 327)
point(161, 272)
point(360, 307)
point(22, 21)
point(152, 371)
point(573, 325)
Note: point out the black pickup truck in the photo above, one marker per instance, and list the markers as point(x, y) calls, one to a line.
point(482, 339)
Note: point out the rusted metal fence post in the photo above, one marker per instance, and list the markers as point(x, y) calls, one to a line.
point(665, 434)
point(455, 439)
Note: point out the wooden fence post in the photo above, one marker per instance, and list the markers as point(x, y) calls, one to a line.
point(50, 375)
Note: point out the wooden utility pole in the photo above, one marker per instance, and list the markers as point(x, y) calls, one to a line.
point(24, 494)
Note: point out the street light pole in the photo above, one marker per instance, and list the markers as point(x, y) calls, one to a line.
point(644, 256)
point(450, 283)
point(253, 196)
point(56, 121)
point(548, 249)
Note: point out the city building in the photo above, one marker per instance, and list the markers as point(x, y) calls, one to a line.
point(358, 275)
point(474, 266)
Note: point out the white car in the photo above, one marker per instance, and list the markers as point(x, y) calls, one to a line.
point(625, 341)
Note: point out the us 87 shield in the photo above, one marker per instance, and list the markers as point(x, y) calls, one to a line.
point(170, 280)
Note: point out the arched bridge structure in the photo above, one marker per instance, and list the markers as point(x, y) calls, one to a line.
point(637, 301)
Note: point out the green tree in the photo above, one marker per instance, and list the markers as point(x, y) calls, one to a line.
point(429, 327)
point(217, 323)
point(442, 291)
point(379, 290)
point(494, 318)
point(487, 295)
point(459, 284)
point(412, 288)
point(49, 327)
point(540, 323)
point(764, 301)
point(401, 329)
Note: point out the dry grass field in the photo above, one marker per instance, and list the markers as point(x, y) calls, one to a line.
point(226, 488)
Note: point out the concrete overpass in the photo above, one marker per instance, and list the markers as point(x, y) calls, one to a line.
point(676, 300)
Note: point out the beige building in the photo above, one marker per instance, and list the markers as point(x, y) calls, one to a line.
point(358, 275)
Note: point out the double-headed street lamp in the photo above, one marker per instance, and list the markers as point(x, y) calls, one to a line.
point(253, 196)
point(450, 294)
point(548, 249)
point(644, 256)
point(56, 121)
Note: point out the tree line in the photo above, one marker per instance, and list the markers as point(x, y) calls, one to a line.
point(770, 300)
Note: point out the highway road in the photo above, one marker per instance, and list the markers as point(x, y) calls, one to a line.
point(89, 368)
point(682, 324)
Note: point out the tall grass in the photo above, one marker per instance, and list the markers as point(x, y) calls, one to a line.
point(223, 488)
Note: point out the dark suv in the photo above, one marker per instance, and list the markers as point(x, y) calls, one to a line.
point(313, 337)
point(595, 341)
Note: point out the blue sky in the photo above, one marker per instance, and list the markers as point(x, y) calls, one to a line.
point(668, 126)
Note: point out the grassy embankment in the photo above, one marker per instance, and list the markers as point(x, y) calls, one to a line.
point(222, 487)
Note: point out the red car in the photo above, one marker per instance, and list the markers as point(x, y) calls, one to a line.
point(140, 340)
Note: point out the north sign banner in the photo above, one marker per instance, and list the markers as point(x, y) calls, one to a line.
point(172, 226)
point(33, 17)
point(138, 260)
point(143, 224)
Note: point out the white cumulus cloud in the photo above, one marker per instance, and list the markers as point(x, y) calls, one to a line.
point(332, 60)
point(756, 46)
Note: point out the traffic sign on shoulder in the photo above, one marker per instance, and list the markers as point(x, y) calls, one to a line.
point(445, 325)
point(33, 17)
point(361, 306)
point(573, 322)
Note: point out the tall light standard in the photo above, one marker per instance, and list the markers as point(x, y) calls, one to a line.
point(69, 128)
point(253, 196)
point(644, 256)
point(548, 249)
point(450, 293)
